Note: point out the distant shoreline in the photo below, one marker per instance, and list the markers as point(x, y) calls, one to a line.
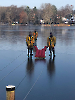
point(57, 25)
point(41, 25)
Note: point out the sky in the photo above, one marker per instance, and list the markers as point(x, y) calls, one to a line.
point(37, 3)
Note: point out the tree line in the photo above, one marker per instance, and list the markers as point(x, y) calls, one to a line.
point(24, 14)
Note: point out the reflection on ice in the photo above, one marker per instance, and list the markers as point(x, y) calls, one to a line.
point(51, 67)
point(30, 65)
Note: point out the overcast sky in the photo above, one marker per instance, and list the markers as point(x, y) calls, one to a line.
point(37, 3)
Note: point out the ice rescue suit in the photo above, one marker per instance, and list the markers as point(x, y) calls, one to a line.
point(51, 41)
point(35, 35)
point(30, 43)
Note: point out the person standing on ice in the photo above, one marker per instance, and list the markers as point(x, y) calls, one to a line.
point(51, 42)
point(35, 35)
point(30, 43)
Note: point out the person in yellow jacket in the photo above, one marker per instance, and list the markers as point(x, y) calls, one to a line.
point(30, 43)
point(35, 35)
point(51, 42)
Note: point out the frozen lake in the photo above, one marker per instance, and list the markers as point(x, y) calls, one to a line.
point(47, 79)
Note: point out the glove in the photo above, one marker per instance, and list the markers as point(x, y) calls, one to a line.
point(26, 43)
point(46, 47)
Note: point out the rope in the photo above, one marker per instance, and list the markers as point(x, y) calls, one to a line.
point(12, 70)
point(33, 84)
point(12, 61)
point(22, 80)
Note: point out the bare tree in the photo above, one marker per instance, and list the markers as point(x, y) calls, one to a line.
point(24, 13)
point(23, 17)
point(47, 12)
point(31, 16)
point(2, 14)
point(65, 10)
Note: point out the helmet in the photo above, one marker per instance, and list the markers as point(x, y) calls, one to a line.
point(30, 33)
point(51, 34)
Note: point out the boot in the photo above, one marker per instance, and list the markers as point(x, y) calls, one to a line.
point(50, 53)
point(28, 52)
point(31, 52)
point(53, 53)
